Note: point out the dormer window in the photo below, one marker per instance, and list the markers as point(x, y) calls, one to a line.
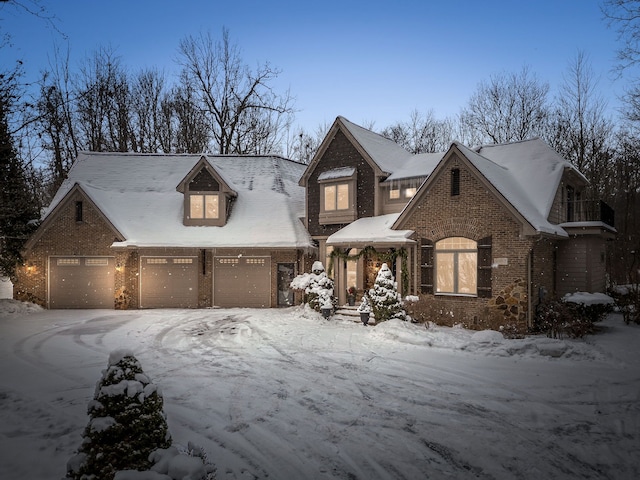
point(206, 196)
point(204, 206)
point(337, 196)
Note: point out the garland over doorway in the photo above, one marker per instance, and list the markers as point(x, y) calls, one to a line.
point(388, 257)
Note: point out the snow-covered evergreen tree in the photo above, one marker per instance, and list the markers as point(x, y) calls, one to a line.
point(317, 286)
point(384, 297)
point(126, 423)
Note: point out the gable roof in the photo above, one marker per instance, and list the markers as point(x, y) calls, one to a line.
point(203, 163)
point(536, 168)
point(524, 176)
point(382, 154)
point(387, 154)
point(137, 194)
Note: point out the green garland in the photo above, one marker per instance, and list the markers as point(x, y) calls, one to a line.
point(387, 257)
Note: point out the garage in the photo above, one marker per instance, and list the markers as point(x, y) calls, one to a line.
point(242, 282)
point(168, 282)
point(81, 282)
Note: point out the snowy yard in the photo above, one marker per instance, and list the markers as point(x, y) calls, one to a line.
point(283, 394)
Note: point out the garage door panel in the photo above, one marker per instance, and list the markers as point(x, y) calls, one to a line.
point(169, 282)
point(81, 282)
point(242, 282)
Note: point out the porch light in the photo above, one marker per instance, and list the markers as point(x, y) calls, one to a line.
point(119, 267)
point(31, 268)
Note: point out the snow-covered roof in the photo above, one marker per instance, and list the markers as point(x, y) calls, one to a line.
point(509, 179)
point(370, 230)
point(387, 154)
point(535, 166)
point(137, 193)
point(415, 166)
point(337, 173)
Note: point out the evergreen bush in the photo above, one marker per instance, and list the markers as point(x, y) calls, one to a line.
point(126, 423)
point(317, 286)
point(385, 300)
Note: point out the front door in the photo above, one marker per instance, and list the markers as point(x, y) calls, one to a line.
point(286, 272)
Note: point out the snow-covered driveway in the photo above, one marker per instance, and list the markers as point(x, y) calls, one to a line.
point(282, 394)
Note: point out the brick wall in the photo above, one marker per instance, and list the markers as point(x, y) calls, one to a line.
point(64, 236)
point(94, 236)
point(475, 213)
point(340, 153)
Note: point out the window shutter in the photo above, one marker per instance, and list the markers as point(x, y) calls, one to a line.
point(484, 267)
point(426, 266)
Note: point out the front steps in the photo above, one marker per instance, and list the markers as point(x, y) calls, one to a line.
point(351, 313)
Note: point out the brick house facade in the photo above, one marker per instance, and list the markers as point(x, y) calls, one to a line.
point(514, 206)
point(486, 233)
point(118, 240)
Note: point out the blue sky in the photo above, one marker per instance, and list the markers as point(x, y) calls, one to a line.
point(370, 61)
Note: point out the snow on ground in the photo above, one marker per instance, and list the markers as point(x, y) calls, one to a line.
point(283, 394)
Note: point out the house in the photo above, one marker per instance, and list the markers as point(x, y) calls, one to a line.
point(153, 231)
point(488, 232)
point(485, 232)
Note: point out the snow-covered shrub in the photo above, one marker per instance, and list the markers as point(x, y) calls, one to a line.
point(590, 306)
point(559, 318)
point(126, 422)
point(365, 304)
point(317, 286)
point(627, 298)
point(385, 299)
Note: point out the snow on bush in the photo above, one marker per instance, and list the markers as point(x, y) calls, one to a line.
point(585, 298)
point(127, 422)
point(8, 306)
point(317, 286)
point(385, 300)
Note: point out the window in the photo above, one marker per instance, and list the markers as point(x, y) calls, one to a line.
point(402, 191)
point(337, 202)
point(78, 211)
point(455, 182)
point(204, 206)
point(409, 192)
point(456, 262)
point(336, 197)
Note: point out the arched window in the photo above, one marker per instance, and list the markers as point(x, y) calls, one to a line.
point(456, 263)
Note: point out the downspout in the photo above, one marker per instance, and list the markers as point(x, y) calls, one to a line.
point(530, 289)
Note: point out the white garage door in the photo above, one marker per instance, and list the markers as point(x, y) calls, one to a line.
point(168, 282)
point(242, 282)
point(81, 282)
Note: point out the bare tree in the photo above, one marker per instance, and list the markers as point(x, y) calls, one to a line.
point(625, 199)
point(236, 99)
point(423, 133)
point(56, 120)
point(104, 103)
point(624, 15)
point(579, 127)
point(191, 128)
point(301, 145)
point(510, 107)
point(146, 110)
